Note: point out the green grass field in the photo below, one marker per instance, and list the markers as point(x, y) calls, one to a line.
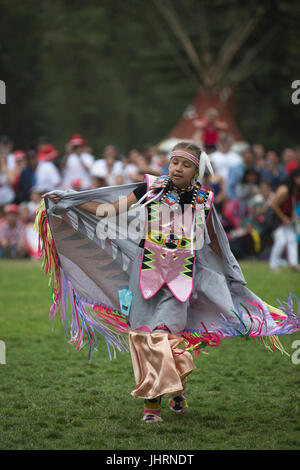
point(240, 396)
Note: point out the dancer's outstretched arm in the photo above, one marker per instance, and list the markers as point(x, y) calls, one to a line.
point(103, 209)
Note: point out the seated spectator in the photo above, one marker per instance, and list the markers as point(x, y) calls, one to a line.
point(47, 176)
point(288, 155)
point(248, 159)
point(137, 159)
point(164, 162)
point(31, 235)
point(264, 197)
point(216, 183)
point(12, 235)
point(274, 172)
point(258, 205)
point(152, 160)
point(130, 171)
point(258, 151)
point(248, 187)
point(290, 160)
point(208, 129)
point(259, 158)
point(291, 167)
point(33, 204)
point(109, 166)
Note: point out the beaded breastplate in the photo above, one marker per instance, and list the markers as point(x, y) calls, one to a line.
point(170, 238)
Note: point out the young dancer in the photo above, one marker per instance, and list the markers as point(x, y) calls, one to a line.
point(186, 287)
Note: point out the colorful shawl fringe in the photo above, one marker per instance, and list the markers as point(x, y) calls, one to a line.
point(83, 320)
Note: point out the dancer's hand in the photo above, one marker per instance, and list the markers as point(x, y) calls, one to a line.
point(53, 197)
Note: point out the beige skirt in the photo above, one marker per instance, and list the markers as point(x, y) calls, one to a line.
point(160, 366)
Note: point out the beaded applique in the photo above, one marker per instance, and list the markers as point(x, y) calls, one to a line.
point(172, 195)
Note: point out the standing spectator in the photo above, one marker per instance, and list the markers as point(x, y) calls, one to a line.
point(208, 129)
point(284, 205)
point(224, 158)
point(20, 164)
point(27, 177)
point(87, 160)
point(274, 172)
point(12, 234)
point(72, 167)
point(47, 176)
point(109, 166)
point(7, 194)
point(6, 146)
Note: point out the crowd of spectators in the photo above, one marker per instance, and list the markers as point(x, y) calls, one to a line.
point(244, 184)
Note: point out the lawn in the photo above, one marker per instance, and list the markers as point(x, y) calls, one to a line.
point(241, 396)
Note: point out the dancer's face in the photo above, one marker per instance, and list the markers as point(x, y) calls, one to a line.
point(181, 172)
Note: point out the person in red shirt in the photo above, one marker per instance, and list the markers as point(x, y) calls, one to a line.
point(208, 128)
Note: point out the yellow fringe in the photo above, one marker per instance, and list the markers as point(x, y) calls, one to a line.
point(273, 342)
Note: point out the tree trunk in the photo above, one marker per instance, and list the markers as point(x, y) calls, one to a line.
point(223, 101)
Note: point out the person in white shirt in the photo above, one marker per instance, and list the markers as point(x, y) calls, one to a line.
point(47, 176)
point(6, 146)
point(7, 194)
point(224, 158)
point(87, 160)
point(75, 166)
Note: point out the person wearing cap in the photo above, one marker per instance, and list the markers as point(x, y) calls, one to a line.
point(47, 176)
point(98, 175)
point(183, 280)
point(74, 166)
point(12, 234)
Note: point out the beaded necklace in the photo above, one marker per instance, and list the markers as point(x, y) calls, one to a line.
point(172, 195)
